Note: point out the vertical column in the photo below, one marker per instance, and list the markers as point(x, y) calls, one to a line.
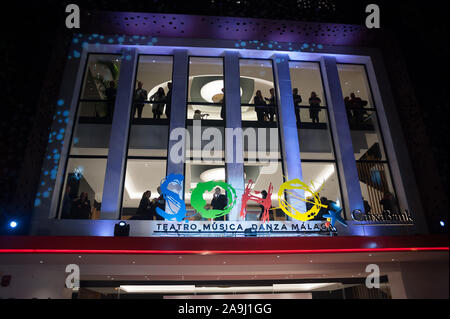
point(175, 161)
point(341, 133)
point(288, 129)
point(118, 142)
point(234, 157)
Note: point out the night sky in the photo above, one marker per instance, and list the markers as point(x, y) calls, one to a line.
point(29, 30)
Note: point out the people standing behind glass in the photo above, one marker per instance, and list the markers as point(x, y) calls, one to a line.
point(168, 99)
point(314, 107)
point(140, 96)
point(271, 105)
point(110, 93)
point(219, 201)
point(145, 210)
point(297, 101)
point(82, 207)
point(357, 105)
point(158, 99)
point(260, 106)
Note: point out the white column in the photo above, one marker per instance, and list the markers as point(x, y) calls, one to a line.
point(175, 162)
point(115, 166)
point(288, 129)
point(234, 157)
point(341, 133)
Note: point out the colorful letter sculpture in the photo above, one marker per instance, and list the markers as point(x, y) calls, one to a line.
point(265, 202)
point(175, 203)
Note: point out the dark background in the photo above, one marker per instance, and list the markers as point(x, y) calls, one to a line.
point(31, 30)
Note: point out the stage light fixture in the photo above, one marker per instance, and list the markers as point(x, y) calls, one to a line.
point(121, 229)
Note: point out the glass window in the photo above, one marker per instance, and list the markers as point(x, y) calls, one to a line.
point(142, 175)
point(262, 174)
point(201, 172)
point(258, 98)
point(83, 188)
point(376, 184)
point(82, 192)
point(371, 160)
point(354, 81)
point(311, 112)
point(153, 94)
point(206, 89)
point(306, 78)
point(152, 100)
point(96, 106)
point(324, 180)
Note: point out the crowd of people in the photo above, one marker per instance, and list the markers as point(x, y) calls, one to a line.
point(265, 107)
point(355, 109)
point(147, 207)
point(158, 101)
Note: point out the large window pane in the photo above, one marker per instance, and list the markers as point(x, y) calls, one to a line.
point(306, 78)
point(141, 176)
point(376, 187)
point(366, 138)
point(95, 110)
point(315, 138)
point(153, 95)
point(205, 91)
point(84, 176)
point(257, 91)
point(323, 179)
point(262, 174)
point(310, 109)
point(354, 81)
point(371, 160)
point(101, 69)
point(201, 172)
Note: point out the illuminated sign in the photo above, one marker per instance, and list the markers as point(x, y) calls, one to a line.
point(171, 188)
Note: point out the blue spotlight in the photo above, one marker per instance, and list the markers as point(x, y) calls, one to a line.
point(442, 223)
point(13, 224)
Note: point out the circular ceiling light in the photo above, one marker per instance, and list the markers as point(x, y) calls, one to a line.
point(215, 174)
point(212, 91)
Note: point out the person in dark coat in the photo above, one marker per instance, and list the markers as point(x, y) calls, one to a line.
point(357, 105)
point(297, 101)
point(157, 108)
point(82, 207)
point(145, 210)
point(110, 93)
point(260, 106)
point(314, 107)
point(219, 201)
point(168, 99)
point(348, 108)
point(271, 106)
point(140, 96)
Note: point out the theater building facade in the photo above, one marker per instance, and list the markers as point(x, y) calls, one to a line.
point(317, 184)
